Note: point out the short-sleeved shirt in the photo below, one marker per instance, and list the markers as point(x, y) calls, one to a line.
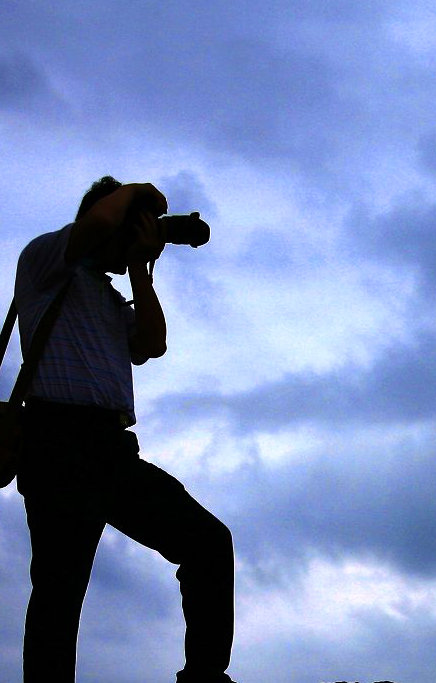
point(86, 360)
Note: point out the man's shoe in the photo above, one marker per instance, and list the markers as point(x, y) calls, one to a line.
point(186, 677)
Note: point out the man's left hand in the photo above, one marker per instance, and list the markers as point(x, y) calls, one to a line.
point(148, 243)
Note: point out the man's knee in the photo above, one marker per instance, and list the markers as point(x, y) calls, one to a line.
point(218, 538)
point(207, 536)
point(225, 534)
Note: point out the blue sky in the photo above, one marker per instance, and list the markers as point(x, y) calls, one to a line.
point(297, 398)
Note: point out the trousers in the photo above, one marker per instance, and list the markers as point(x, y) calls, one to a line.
point(79, 470)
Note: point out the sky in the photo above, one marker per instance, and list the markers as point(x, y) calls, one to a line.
point(297, 398)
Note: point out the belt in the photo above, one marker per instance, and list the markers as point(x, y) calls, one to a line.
point(35, 406)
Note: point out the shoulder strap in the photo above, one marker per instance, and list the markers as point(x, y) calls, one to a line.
point(36, 347)
point(7, 328)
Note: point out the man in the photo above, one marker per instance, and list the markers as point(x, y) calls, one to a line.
point(80, 467)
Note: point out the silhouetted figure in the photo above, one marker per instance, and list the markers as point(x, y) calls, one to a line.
point(80, 467)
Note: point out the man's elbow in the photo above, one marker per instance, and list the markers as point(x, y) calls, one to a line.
point(157, 351)
point(140, 356)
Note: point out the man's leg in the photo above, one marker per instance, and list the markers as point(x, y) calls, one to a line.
point(65, 524)
point(153, 508)
point(63, 550)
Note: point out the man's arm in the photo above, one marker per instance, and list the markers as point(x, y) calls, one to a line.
point(149, 340)
point(109, 214)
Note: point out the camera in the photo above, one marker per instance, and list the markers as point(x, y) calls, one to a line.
point(187, 229)
point(184, 229)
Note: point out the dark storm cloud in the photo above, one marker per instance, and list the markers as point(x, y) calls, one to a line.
point(243, 96)
point(400, 387)
point(14, 543)
point(350, 500)
point(403, 237)
point(14, 582)
point(427, 151)
point(140, 590)
point(117, 578)
point(19, 81)
point(213, 73)
point(25, 87)
point(243, 91)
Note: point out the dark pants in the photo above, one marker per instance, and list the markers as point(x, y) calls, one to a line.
point(80, 470)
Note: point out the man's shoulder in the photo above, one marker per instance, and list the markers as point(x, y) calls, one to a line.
point(42, 261)
point(46, 241)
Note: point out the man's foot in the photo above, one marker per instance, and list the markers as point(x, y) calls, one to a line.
point(186, 677)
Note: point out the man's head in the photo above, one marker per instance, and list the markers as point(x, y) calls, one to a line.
point(109, 256)
point(101, 188)
point(131, 206)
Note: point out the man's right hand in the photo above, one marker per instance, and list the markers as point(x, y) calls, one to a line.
point(148, 243)
point(115, 206)
point(147, 197)
point(109, 213)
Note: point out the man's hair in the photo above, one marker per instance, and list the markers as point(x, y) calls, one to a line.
point(101, 188)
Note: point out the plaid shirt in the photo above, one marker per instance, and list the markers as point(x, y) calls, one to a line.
point(86, 360)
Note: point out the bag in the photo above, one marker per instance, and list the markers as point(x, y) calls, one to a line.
point(11, 411)
point(10, 442)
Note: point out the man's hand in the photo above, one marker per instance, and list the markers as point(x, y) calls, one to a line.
point(148, 243)
point(108, 214)
point(147, 197)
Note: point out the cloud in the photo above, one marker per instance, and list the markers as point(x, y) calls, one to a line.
point(238, 87)
point(368, 626)
point(402, 237)
point(427, 151)
point(216, 81)
point(187, 194)
point(329, 489)
point(297, 396)
point(131, 620)
point(127, 574)
point(14, 580)
point(25, 87)
point(348, 499)
point(20, 81)
point(400, 387)
point(273, 252)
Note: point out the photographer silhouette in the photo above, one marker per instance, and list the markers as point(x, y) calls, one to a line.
point(80, 465)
